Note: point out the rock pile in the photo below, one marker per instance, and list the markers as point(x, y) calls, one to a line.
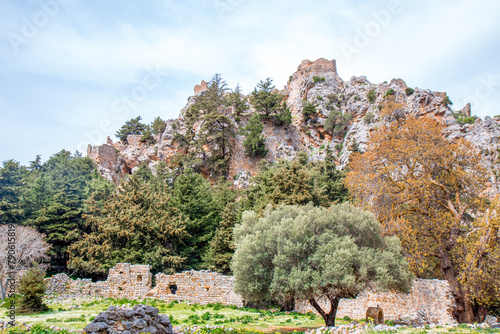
point(139, 319)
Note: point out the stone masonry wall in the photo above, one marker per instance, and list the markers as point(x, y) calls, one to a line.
point(196, 286)
point(134, 282)
point(429, 300)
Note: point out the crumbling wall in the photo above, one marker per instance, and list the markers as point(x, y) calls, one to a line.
point(134, 282)
point(202, 287)
point(429, 301)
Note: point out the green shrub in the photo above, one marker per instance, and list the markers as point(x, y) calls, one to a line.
point(317, 79)
point(309, 110)
point(206, 316)
point(320, 97)
point(389, 92)
point(32, 288)
point(369, 117)
point(371, 96)
point(409, 91)
point(447, 101)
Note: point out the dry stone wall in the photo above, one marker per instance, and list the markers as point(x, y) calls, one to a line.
point(430, 301)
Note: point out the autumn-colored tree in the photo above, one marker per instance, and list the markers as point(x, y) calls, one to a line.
point(427, 190)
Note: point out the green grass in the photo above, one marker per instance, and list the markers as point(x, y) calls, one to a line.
point(243, 320)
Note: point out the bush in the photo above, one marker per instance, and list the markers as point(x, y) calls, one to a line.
point(309, 110)
point(317, 79)
point(409, 91)
point(369, 117)
point(371, 95)
point(32, 289)
point(447, 101)
point(389, 92)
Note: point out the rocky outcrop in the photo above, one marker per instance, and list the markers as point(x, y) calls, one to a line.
point(140, 319)
point(314, 82)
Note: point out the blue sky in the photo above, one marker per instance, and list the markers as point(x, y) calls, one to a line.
point(73, 71)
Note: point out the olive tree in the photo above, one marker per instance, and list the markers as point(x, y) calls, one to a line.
point(306, 252)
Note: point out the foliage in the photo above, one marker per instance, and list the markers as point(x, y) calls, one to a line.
point(462, 118)
point(427, 191)
point(284, 116)
point(32, 288)
point(284, 182)
point(391, 110)
point(134, 225)
point(295, 182)
point(131, 127)
point(221, 247)
point(409, 91)
point(236, 101)
point(11, 186)
point(265, 99)
point(255, 143)
point(158, 126)
point(308, 252)
point(210, 148)
point(389, 92)
point(447, 101)
point(371, 95)
point(193, 198)
point(55, 197)
point(369, 117)
point(309, 109)
point(337, 121)
point(317, 79)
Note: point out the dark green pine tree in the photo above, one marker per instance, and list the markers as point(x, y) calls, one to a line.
point(265, 100)
point(208, 150)
point(222, 247)
point(192, 196)
point(237, 102)
point(255, 143)
point(332, 179)
point(283, 116)
point(135, 225)
point(56, 200)
point(12, 210)
point(131, 127)
point(32, 289)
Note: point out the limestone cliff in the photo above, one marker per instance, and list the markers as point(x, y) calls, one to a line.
point(316, 82)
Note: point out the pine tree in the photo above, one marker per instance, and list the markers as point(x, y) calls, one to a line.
point(222, 245)
point(210, 148)
point(237, 102)
point(55, 199)
point(193, 198)
point(131, 127)
point(135, 225)
point(265, 100)
point(255, 143)
point(32, 288)
point(284, 116)
point(11, 188)
point(333, 179)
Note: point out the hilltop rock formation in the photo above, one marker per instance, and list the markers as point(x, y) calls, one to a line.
point(371, 105)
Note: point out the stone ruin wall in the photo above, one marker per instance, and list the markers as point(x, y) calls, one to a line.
point(135, 282)
point(429, 300)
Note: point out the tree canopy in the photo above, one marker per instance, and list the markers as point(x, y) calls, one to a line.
point(427, 190)
point(311, 252)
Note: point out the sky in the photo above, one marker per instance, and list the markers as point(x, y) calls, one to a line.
point(73, 71)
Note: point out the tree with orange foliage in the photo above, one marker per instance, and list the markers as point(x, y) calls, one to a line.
point(427, 191)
